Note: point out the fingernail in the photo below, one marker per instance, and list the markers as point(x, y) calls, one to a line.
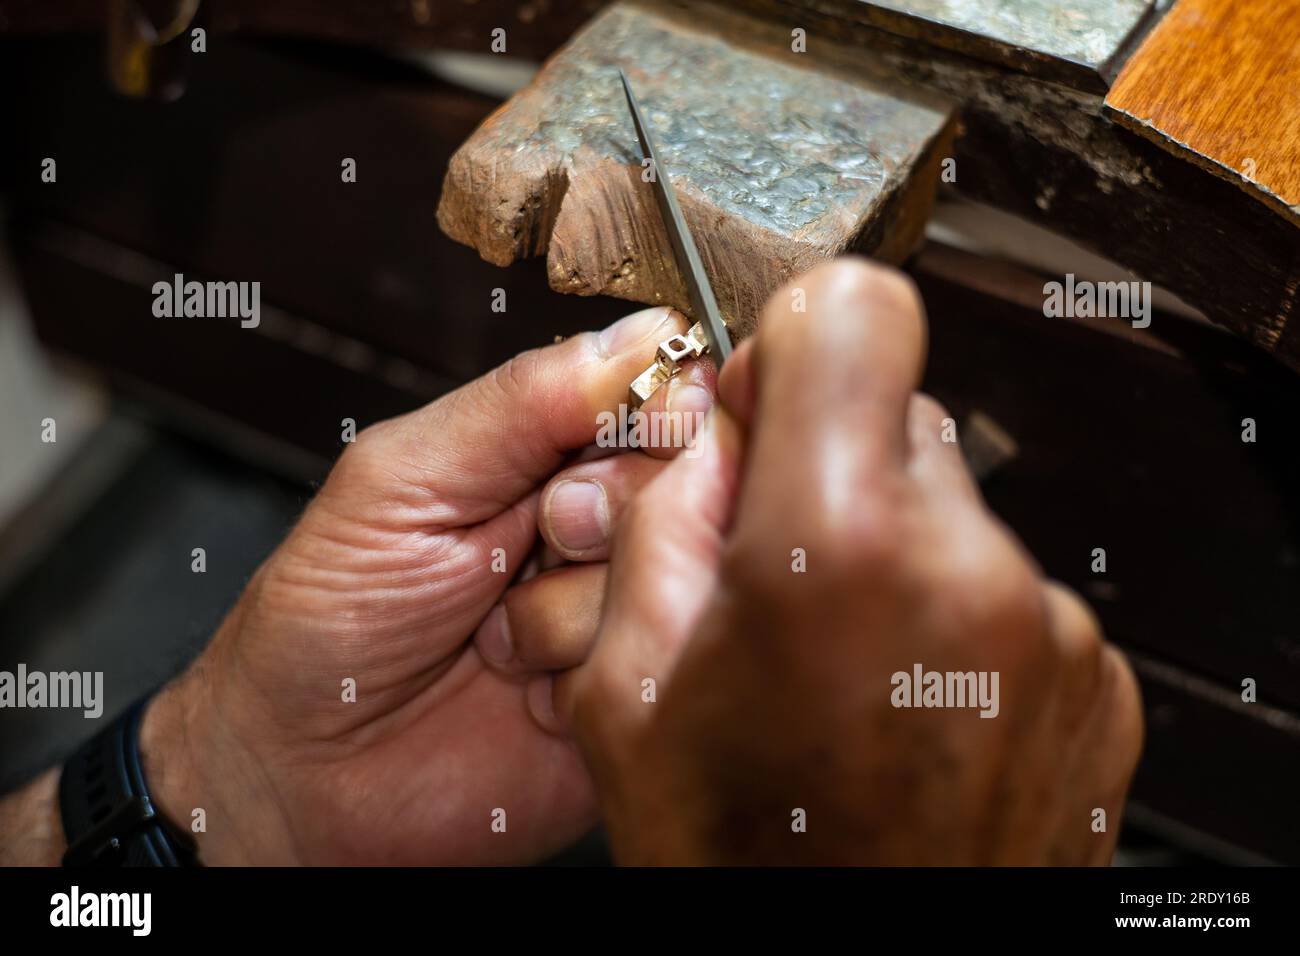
point(493, 638)
point(633, 329)
point(689, 399)
point(577, 514)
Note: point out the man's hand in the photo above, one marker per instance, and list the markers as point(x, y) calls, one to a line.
point(730, 694)
point(403, 576)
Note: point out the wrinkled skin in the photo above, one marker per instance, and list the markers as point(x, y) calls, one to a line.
point(389, 580)
point(773, 688)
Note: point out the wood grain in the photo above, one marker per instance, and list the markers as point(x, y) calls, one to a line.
point(1043, 149)
point(1218, 82)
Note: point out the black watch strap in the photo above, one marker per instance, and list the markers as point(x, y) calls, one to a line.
point(109, 818)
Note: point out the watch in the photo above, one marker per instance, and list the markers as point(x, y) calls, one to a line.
point(109, 818)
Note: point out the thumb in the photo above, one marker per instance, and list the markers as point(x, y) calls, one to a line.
point(488, 444)
point(663, 571)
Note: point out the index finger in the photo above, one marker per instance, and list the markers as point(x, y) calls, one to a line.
point(838, 354)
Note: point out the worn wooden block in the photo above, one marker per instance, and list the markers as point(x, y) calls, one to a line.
point(777, 167)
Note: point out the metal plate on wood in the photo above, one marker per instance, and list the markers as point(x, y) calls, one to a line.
point(776, 166)
point(1077, 42)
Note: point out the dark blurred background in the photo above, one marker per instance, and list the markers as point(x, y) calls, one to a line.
point(182, 433)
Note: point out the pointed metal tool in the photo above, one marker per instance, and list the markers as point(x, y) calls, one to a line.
point(703, 304)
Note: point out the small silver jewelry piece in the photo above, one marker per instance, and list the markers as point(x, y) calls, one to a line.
point(668, 358)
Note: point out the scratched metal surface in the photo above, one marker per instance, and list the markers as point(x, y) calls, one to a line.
point(778, 164)
point(1087, 31)
point(1080, 43)
point(778, 146)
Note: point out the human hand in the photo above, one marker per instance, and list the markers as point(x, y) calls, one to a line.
point(412, 548)
point(774, 691)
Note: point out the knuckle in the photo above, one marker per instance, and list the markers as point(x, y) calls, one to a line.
point(517, 376)
point(1076, 638)
point(1127, 705)
point(1015, 602)
point(1076, 626)
point(928, 413)
point(871, 539)
point(1084, 650)
point(994, 596)
point(868, 545)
